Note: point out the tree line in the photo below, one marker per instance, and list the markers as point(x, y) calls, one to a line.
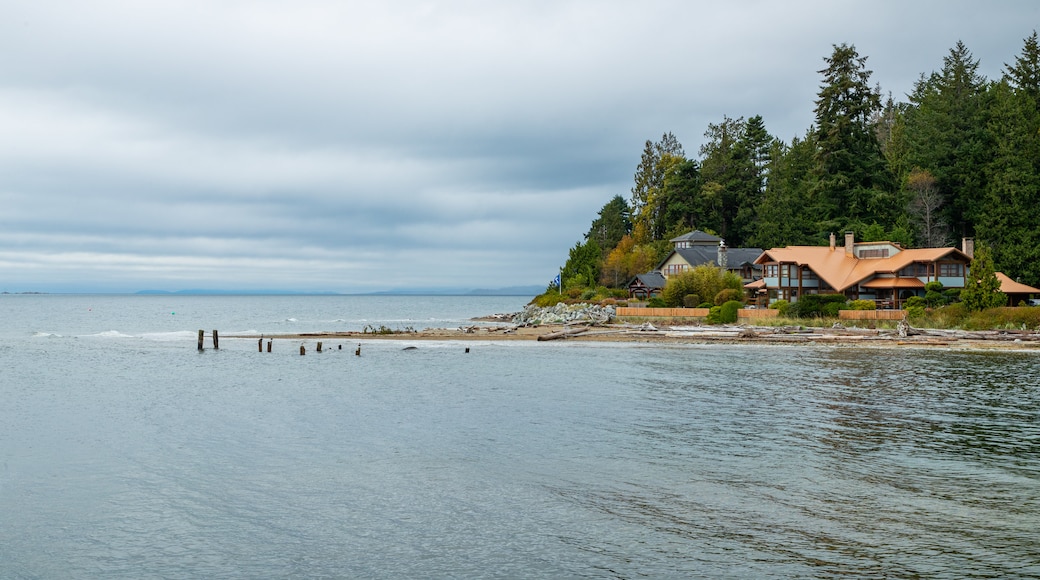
point(959, 158)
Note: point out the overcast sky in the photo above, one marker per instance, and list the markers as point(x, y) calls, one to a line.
point(332, 145)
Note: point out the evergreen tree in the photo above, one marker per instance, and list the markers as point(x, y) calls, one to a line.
point(582, 267)
point(681, 210)
point(753, 156)
point(946, 135)
point(982, 288)
point(648, 194)
point(784, 216)
point(723, 170)
point(612, 224)
point(853, 182)
point(1011, 223)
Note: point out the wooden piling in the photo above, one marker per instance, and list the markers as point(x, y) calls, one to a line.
point(202, 336)
point(303, 350)
point(319, 346)
point(358, 351)
point(269, 341)
point(260, 345)
point(216, 343)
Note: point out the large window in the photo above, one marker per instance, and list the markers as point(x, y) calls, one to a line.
point(771, 270)
point(951, 270)
point(915, 270)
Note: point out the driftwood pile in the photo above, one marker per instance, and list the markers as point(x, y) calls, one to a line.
point(902, 334)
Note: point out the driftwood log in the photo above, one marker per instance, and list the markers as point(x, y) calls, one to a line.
point(564, 333)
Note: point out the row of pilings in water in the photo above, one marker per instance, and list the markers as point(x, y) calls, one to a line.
point(260, 344)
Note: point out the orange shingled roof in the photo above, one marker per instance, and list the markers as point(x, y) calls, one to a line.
point(841, 271)
point(1009, 286)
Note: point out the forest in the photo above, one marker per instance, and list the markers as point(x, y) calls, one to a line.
point(960, 158)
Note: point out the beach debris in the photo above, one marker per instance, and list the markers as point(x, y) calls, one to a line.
point(563, 333)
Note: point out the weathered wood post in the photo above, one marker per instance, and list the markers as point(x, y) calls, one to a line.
point(269, 341)
point(202, 336)
point(216, 343)
point(319, 346)
point(260, 345)
point(303, 350)
point(358, 351)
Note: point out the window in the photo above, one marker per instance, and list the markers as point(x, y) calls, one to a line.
point(771, 270)
point(948, 270)
point(882, 253)
point(915, 270)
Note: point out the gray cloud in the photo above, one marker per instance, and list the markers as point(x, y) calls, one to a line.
point(352, 146)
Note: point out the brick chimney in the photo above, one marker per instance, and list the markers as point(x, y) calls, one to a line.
point(850, 244)
point(834, 241)
point(968, 247)
point(722, 254)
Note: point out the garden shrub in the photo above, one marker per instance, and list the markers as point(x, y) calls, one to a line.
point(656, 302)
point(714, 315)
point(727, 295)
point(914, 302)
point(861, 305)
point(813, 305)
point(783, 306)
point(691, 300)
point(728, 311)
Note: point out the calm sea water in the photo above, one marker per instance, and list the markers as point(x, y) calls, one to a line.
point(125, 453)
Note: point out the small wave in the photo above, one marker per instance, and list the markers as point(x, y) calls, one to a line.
point(111, 334)
point(291, 319)
point(176, 336)
point(47, 335)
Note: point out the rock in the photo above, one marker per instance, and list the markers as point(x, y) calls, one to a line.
point(565, 314)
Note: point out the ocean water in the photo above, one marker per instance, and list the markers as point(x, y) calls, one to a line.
point(126, 453)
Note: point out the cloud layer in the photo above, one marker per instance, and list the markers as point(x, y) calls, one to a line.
point(348, 146)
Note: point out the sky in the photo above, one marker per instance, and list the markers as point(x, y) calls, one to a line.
point(342, 146)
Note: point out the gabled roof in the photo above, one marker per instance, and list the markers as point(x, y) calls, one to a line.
point(697, 237)
point(1009, 286)
point(841, 271)
point(650, 280)
point(700, 255)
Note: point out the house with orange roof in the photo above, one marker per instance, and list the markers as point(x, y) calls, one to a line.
point(881, 271)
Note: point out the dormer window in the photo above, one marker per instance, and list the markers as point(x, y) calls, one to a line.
point(873, 253)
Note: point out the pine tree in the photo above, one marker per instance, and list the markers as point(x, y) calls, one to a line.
point(648, 191)
point(1011, 223)
point(981, 287)
point(945, 133)
point(853, 182)
point(612, 224)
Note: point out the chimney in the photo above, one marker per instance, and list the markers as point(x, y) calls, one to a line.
point(968, 247)
point(722, 254)
point(850, 244)
point(833, 241)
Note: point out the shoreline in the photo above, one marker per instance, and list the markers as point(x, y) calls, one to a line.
point(749, 335)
